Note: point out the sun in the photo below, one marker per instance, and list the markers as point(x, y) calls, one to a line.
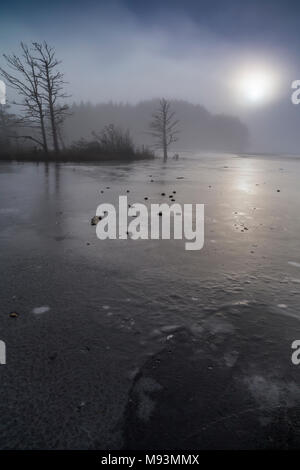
point(255, 85)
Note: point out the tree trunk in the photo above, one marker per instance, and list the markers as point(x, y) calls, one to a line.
point(53, 126)
point(52, 116)
point(43, 131)
point(165, 153)
point(165, 146)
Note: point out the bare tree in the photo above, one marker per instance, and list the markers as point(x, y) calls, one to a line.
point(164, 127)
point(22, 75)
point(52, 85)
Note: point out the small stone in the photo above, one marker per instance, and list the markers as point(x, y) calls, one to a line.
point(95, 220)
point(278, 190)
point(13, 314)
point(163, 194)
point(81, 405)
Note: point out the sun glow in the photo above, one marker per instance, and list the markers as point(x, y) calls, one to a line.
point(256, 85)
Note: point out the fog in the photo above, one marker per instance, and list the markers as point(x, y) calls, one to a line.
point(198, 128)
point(114, 53)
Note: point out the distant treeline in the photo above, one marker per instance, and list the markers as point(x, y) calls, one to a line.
point(44, 126)
point(199, 129)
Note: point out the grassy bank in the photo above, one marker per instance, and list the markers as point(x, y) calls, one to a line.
point(76, 156)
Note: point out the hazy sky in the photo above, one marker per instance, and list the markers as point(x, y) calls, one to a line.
point(216, 53)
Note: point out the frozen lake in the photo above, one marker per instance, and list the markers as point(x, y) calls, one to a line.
point(142, 344)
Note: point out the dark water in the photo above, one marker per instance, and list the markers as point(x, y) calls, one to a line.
point(142, 344)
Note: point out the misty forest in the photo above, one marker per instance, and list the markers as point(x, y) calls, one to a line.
point(42, 122)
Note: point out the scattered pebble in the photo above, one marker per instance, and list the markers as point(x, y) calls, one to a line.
point(13, 314)
point(81, 405)
point(95, 220)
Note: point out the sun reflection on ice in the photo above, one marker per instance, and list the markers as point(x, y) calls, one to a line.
point(244, 179)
